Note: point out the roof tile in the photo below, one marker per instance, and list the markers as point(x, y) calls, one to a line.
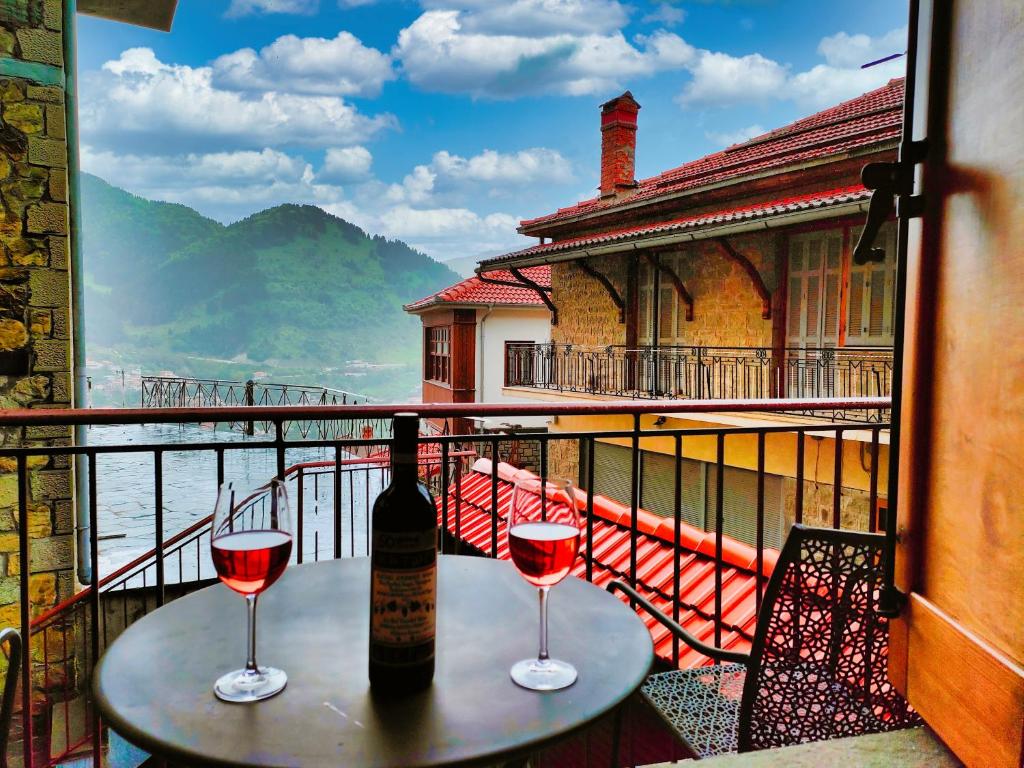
point(473, 290)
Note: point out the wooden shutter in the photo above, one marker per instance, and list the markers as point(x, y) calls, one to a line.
point(739, 505)
point(612, 472)
point(659, 487)
point(645, 306)
point(870, 309)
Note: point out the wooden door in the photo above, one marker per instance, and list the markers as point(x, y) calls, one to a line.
point(958, 650)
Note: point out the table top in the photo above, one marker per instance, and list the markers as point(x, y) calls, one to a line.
point(154, 685)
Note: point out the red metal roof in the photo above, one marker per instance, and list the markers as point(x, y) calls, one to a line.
point(473, 290)
point(469, 505)
point(822, 199)
point(872, 118)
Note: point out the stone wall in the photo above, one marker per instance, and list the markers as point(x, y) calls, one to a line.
point(35, 331)
point(586, 313)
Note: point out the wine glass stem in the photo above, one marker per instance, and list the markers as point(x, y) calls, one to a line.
point(250, 662)
point(543, 655)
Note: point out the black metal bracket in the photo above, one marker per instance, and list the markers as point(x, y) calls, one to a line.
point(755, 277)
point(681, 291)
point(540, 291)
point(608, 286)
point(888, 183)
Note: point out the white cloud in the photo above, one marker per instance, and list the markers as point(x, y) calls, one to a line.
point(440, 52)
point(346, 164)
point(138, 103)
point(246, 7)
point(845, 50)
point(528, 166)
point(536, 18)
point(721, 80)
point(728, 138)
point(341, 66)
point(666, 14)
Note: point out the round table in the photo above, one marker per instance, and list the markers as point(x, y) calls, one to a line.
point(154, 685)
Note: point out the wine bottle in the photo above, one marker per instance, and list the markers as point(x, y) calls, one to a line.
point(403, 572)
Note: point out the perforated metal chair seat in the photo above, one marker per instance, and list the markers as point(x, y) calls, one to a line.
point(701, 705)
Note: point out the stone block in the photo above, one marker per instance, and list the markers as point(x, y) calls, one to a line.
point(61, 387)
point(56, 125)
point(58, 185)
point(49, 287)
point(13, 335)
point(41, 323)
point(47, 432)
point(48, 219)
point(52, 14)
point(50, 94)
point(55, 553)
point(53, 153)
point(25, 116)
point(58, 245)
point(52, 355)
point(31, 259)
point(61, 328)
point(8, 494)
point(32, 388)
point(6, 43)
point(41, 45)
point(51, 484)
point(11, 90)
point(63, 516)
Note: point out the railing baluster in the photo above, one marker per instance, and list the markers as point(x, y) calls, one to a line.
point(300, 481)
point(24, 569)
point(158, 524)
point(634, 502)
point(443, 533)
point(799, 513)
point(337, 502)
point(677, 506)
point(873, 493)
point(719, 525)
point(759, 575)
point(494, 497)
point(837, 483)
point(543, 479)
point(94, 551)
point(590, 509)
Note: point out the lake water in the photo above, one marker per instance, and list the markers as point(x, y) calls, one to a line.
point(125, 486)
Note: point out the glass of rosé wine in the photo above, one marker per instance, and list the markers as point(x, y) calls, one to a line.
point(250, 544)
point(543, 539)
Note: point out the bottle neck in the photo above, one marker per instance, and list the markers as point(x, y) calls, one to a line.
point(403, 468)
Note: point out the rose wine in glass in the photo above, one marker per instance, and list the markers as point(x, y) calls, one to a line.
point(543, 539)
point(250, 545)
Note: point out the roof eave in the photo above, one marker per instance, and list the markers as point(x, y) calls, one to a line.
point(544, 227)
point(467, 305)
point(155, 14)
point(672, 238)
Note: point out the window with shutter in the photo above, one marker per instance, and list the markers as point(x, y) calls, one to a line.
point(870, 306)
point(612, 472)
point(645, 305)
point(739, 505)
point(659, 487)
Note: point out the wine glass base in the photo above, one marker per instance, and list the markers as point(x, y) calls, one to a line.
point(239, 688)
point(548, 675)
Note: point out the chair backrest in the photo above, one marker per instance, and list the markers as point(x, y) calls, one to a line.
point(817, 667)
point(12, 639)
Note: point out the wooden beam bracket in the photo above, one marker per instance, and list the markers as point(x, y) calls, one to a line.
point(608, 286)
point(755, 277)
point(681, 291)
point(525, 282)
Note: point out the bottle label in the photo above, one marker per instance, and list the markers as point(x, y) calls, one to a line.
point(404, 585)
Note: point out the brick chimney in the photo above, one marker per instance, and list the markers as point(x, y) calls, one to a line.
point(618, 144)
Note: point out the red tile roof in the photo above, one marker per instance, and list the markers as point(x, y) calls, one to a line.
point(822, 199)
point(857, 124)
point(473, 290)
point(469, 505)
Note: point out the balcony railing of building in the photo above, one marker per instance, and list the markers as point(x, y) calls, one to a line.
point(702, 373)
point(332, 497)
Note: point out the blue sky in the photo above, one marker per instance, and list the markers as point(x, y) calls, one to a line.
point(445, 122)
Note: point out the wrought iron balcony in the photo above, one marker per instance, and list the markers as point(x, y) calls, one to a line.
point(651, 549)
point(702, 373)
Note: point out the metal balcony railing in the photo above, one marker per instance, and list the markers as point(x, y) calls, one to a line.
point(702, 373)
point(331, 499)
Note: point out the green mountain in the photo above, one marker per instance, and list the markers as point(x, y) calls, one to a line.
point(292, 286)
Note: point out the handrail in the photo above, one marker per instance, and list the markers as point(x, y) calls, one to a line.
point(44, 617)
point(112, 416)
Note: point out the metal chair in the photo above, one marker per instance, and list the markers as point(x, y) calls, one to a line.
point(817, 666)
point(12, 639)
